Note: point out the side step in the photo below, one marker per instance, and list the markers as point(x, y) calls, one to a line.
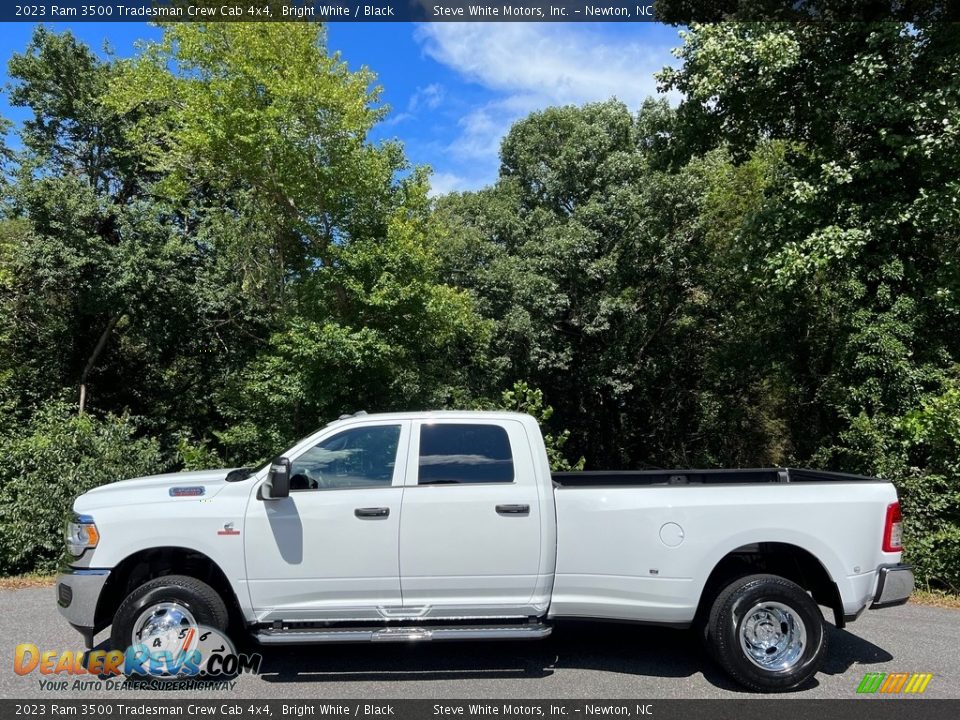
point(271, 636)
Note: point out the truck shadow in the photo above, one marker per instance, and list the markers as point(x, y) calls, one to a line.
point(847, 650)
point(603, 647)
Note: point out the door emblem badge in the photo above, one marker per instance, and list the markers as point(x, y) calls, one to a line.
point(228, 529)
point(193, 491)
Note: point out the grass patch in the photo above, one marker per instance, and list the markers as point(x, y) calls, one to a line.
point(935, 598)
point(30, 580)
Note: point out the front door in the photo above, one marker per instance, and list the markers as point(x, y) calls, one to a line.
point(329, 551)
point(470, 532)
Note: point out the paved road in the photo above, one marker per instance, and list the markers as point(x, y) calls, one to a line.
point(580, 661)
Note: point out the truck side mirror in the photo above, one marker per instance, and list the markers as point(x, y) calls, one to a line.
point(278, 481)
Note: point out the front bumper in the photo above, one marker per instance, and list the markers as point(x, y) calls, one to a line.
point(78, 592)
point(894, 585)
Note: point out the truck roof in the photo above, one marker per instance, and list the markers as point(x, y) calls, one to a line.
point(434, 414)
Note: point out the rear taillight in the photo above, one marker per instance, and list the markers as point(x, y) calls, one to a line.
point(893, 529)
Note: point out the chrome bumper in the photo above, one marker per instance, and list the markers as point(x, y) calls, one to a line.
point(78, 592)
point(894, 585)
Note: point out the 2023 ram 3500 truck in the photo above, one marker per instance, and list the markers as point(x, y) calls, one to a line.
point(451, 526)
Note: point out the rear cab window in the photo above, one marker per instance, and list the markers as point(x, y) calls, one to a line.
point(464, 454)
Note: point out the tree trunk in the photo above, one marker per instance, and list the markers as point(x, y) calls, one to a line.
point(101, 343)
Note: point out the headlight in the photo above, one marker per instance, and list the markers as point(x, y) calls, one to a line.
point(81, 534)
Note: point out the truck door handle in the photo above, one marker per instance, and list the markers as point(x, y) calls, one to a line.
point(513, 509)
point(372, 512)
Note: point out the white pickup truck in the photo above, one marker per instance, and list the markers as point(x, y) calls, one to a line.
point(451, 526)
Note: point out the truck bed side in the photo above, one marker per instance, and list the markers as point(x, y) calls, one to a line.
point(645, 551)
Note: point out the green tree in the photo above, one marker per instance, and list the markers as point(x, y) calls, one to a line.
point(261, 136)
point(103, 290)
point(592, 262)
point(379, 332)
point(258, 119)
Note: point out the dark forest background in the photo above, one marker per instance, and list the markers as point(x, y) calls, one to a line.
point(203, 258)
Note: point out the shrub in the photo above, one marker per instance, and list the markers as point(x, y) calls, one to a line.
point(59, 456)
point(931, 490)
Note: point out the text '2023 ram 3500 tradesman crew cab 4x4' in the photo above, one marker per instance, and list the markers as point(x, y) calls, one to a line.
point(451, 526)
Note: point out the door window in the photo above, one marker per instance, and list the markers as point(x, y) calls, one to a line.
point(458, 454)
point(359, 457)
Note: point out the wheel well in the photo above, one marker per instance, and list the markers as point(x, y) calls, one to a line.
point(134, 570)
point(788, 561)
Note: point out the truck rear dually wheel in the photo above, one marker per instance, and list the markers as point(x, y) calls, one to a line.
point(156, 613)
point(767, 633)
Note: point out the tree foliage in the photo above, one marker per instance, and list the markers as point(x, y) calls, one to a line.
point(866, 224)
point(203, 236)
point(61, 455)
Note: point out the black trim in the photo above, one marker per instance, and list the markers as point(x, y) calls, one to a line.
point(64, 595)
point(587, 620)
point(851, 617)
point(740, 476)
point(87, 632)
point(240, 474)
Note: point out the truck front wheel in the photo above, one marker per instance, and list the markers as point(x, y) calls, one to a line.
point(767, 633)
point(158, 613)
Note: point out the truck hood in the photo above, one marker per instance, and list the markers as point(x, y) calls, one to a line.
point(154, 489)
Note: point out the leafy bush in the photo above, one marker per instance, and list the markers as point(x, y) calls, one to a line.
point(920, 452)
point(197, 455)
point(60, 456)
point(931, 495)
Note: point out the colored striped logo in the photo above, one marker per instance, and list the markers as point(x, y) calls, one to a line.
point(893, 683)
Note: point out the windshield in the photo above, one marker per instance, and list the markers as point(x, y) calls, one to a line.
point(243, 473)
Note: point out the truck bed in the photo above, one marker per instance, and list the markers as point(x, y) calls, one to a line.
point(744, 476)
point(640, 545)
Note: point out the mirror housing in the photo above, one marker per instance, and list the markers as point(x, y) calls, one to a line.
point(277, 485)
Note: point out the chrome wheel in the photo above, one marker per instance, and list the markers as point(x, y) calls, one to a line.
point(773, 636)
point(163, 627)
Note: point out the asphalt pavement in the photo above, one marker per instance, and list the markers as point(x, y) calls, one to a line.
point(584, 660)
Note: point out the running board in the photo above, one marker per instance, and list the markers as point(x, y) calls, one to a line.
point(311, 636)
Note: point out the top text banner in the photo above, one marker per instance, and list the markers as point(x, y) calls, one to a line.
point(369, 11)
point(671, 11)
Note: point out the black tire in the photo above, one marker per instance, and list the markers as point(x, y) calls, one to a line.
point(203, 602)
point(728, 615)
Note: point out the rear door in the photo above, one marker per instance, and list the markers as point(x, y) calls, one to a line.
point(470, 532)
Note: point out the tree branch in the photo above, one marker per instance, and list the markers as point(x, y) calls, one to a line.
point(101, 343)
